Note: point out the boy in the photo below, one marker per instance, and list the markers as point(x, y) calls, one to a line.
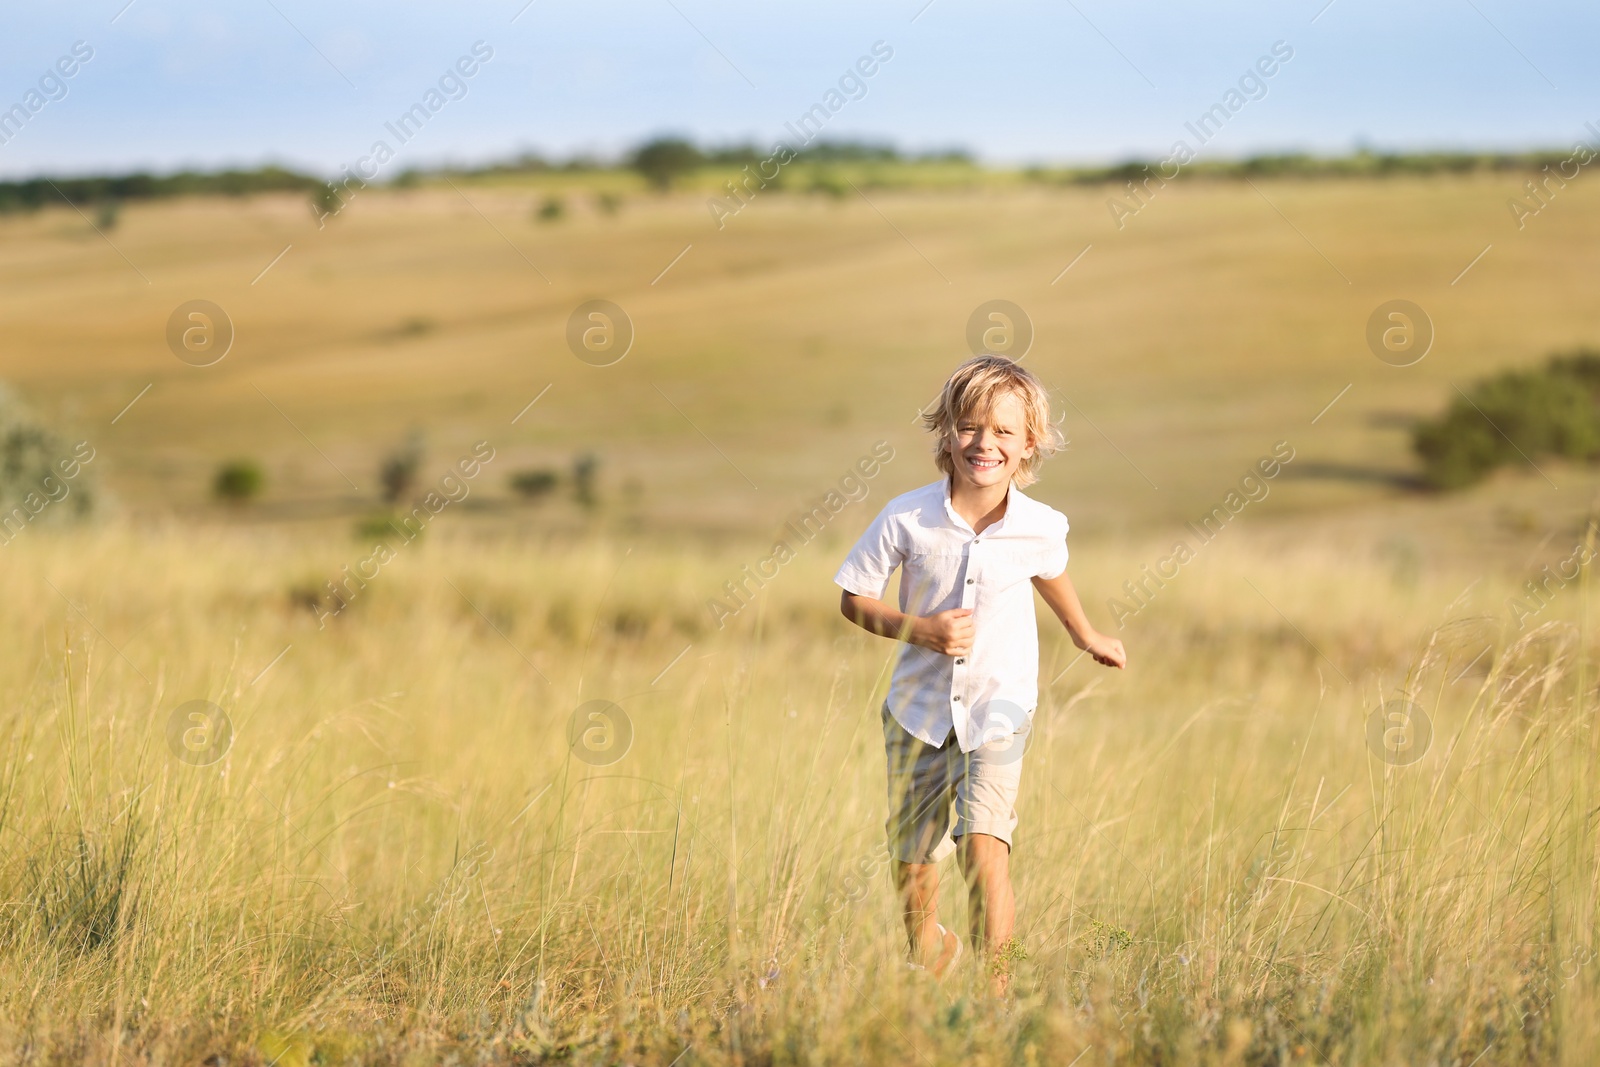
point(961, 701)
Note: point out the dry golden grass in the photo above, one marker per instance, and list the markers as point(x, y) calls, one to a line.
point(399, 861)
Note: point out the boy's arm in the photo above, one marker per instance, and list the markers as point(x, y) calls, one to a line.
point(1063, 600)
point(948, 633)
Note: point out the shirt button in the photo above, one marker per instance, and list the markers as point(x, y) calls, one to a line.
point(959, 662)
point(957, 699)
point(971, 580)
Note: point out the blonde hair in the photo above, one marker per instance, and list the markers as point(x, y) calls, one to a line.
point(972, 390)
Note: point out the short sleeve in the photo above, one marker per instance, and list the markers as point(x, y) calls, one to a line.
point(871, 563)
point(1053, 559)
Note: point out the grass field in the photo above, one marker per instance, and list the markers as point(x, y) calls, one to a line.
point(399, 859)
point(399, 853)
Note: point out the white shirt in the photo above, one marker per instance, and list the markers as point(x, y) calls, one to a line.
point(991, 692)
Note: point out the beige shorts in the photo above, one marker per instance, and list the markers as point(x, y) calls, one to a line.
point(939, 794)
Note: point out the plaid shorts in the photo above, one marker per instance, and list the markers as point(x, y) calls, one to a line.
point(939, 794)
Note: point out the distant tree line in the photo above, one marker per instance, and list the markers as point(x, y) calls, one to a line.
point(34, 193)
point(1363, 164)
point(664, 161)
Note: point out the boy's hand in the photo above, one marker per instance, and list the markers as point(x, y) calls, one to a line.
point(1105, 650)
point(948, 633)
point(1063, 600)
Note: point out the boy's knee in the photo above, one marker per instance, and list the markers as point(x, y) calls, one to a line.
point(917, 884)
point(984, 854)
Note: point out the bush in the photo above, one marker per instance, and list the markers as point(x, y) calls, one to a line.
point(325, 201)
point(379, 526)
point(31, 472)
point(608, 203)
point(551, 210)
point(533, 484)
point(828, 184)
point(585, 480)
point(238, 481)
point(399, 470)
point(1554, 410)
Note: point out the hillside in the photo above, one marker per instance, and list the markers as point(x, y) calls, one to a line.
point(772, 353)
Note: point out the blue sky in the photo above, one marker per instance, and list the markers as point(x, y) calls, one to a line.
point(183, 83)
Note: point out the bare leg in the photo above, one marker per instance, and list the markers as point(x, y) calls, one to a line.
point(986, 864)
point(918, 885)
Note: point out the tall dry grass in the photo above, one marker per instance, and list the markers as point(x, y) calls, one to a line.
point(399, 860)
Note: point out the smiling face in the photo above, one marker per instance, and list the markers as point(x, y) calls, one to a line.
point(988, 447)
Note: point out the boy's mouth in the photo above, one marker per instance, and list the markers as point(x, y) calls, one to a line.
point(981, 464)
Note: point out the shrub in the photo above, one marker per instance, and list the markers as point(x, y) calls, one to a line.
point(325, 201)
point(534, 484)
point(828, 184)
point(379, 526)
point(585, 479)
point(1554, 410)
point(31, 455)
point(399, 470)
point(608, 203)
point(415, 326)
point(552, 209)
point(238, 481)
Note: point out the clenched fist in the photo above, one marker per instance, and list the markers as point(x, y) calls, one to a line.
point(948, 633)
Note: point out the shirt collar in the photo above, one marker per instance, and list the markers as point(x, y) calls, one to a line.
point(962, 524)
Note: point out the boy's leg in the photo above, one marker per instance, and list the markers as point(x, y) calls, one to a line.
point(986, 864)
point(918, 885)
point(986, 817)
point(918, 828)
